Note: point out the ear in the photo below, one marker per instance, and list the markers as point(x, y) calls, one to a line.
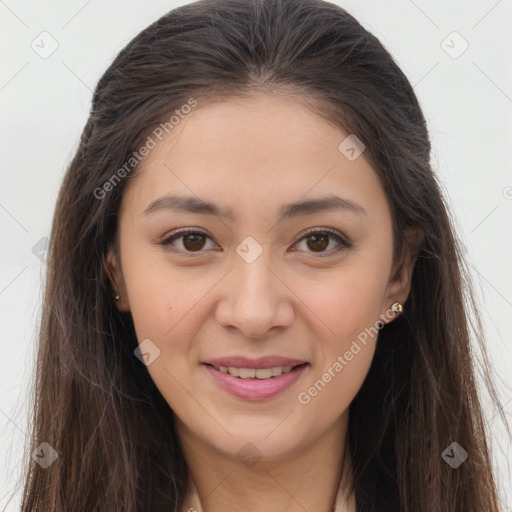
point(399, 285)
point(115, 275)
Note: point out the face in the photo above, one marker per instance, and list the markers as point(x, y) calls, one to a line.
point(285, 299)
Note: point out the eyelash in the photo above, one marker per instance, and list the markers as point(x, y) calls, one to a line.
point(344, 244)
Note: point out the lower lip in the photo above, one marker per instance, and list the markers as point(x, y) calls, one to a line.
point(256, 389)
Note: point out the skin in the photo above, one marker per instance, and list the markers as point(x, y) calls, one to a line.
point(253, 155)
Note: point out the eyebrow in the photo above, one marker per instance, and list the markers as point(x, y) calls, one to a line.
point(195, 205)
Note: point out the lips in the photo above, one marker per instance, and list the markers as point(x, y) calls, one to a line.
point(255, 379)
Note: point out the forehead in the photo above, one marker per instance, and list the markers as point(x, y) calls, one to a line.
point(256, 150)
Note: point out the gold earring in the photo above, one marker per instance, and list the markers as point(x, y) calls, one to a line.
point(397, 307)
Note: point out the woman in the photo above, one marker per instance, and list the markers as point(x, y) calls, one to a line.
point(255, 297)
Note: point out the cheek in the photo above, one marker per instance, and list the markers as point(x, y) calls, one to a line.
point(344, 359)
point(164, 307)
point(160, 296)
point(349, 302)
point(349, 305)
point(159, 300)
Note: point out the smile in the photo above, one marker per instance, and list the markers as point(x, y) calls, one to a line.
point(255, 383)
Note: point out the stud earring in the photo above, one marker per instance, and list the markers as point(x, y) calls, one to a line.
point(397, 307)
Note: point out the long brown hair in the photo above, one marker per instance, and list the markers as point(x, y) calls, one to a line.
point(94, 402)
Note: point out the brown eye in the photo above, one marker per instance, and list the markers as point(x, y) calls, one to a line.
point(192, 241)
point(318, 241)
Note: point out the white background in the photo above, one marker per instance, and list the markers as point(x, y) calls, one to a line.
point(44, 104)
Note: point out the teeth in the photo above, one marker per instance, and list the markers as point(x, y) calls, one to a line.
point(251, 373)
point(233, 371)
point(247, 373)
point(263, 373)
point(276, 370)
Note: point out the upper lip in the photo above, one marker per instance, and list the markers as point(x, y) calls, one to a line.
point(260, 362)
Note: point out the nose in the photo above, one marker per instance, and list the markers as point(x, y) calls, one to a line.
point(256, 300)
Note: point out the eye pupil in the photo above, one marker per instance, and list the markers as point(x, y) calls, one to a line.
point(316, 238)
point(194, 239)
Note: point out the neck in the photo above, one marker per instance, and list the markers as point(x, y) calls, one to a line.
point(310, 478)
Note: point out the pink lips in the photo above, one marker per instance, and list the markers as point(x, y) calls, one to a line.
point(256, 389)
